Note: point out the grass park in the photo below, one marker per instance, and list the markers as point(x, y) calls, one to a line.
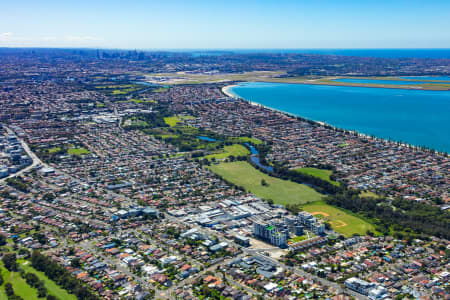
point(235, 150)
point(368, 194)
point(119, 89)
point(54, 150)
point(172, 121)
point(245, 139)
point(24, 290)
point(78, 151)
point(320, 173)
point(342, 222)
point(280, 191)
point(175, 120)
point(139, 101)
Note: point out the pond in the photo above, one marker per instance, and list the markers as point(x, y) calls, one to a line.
point(205, 138)
point(255, 158)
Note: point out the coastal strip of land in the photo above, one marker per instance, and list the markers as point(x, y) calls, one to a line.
point(280, 77)
point(428, 86)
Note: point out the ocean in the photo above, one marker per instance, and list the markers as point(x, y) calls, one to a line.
point(419, 118)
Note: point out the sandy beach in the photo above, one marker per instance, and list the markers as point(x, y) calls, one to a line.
point(226, 91)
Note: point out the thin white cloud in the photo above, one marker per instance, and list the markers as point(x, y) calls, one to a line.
point(6, 36)
point(9, 39)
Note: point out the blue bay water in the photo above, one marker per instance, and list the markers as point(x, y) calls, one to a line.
point(380, 81)
point(443, 78)
point(417, 117)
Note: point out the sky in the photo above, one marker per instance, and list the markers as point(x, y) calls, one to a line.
point(232, 24)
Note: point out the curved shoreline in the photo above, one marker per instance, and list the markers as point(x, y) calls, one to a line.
point(363, 85)
point(226, 91)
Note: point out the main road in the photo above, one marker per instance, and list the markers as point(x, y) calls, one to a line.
point(36, 160)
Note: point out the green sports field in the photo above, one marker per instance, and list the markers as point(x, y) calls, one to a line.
point(280, 191)
point(341, 221)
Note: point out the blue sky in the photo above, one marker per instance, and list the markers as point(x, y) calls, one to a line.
point(199, 24)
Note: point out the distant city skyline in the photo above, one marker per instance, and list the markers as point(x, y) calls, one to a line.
point(200, 24)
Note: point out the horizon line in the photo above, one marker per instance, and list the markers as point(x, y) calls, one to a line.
point(213, 49)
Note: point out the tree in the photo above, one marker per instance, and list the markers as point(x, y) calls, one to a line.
point(31, 279)
point(75, 262)
point(2, 240)
point(9, 289)
point(42, 291)
point(9, 260)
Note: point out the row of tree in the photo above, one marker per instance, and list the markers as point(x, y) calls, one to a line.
point(322, 186)
point(400, 214)
point(61, 276)
point(34, 281)
point(10, 263)
point(10, 292)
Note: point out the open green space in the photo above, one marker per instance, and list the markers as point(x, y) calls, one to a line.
point(78, 151)
point(167, 136)
point(342, 222)
point(52, 287)
point(172, 121)
point(138, 101)
point(24, 290)
point(245, 139)
point(185, 137)
point(297, 239)
point(176, 120)
point(54, 149)
point(320, 173)
point(198, 78)
point(235, 150)
point(119, 89)
point(280, 191)
point(367, 194)
point(19, 285)
point(161, 90)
